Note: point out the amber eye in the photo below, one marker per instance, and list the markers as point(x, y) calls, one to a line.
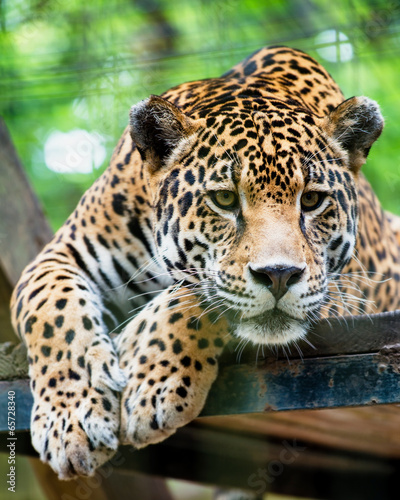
point(224, 199)
point(311, 200)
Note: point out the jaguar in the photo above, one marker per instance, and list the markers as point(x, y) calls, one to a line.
point(233, 207)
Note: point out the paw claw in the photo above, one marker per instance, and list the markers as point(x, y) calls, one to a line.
point(107, 372)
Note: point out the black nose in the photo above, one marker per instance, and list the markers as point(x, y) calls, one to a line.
point(277, 279)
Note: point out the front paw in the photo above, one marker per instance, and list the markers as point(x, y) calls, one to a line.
point(76, 435)
point(76, 415)
point(169, 356)
point(154, 407)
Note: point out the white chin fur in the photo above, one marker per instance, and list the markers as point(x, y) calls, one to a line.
point(264, 334)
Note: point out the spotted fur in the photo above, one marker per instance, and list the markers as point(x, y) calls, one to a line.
point(230, 204)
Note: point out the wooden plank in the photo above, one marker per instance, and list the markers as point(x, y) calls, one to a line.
point(22, 220)
point(6, 330)
point(325, 382)
point(348, 335)
point(371, 430)
point(315, 382)
point(354, 335)
point(23, 228)
point(374, 430)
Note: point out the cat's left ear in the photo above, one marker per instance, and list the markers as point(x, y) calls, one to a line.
point(355, 124)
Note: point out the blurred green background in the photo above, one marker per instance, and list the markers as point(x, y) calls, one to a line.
point(71, 69)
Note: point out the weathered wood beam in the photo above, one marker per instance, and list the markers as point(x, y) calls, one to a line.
point(23, 228)
point(365, 371)
point(325, 382)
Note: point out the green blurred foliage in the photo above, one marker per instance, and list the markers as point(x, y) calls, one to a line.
point(69, 64)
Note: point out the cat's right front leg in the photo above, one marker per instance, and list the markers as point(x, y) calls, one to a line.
point(75, 377)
